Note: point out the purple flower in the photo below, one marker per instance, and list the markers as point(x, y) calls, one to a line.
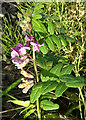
point(20, 62)
point(14, 54)
point(32, 38)
point(36, 46)
point(19, 50)
point(29, 38)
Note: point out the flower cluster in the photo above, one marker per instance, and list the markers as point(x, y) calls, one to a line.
point(20, 59)
point(35, 44)
point(19, 53)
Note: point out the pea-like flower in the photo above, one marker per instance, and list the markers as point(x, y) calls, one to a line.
point(36, 45)
point(20, 62)
point(26, 84)
point(33, 42)
point(29, 38)
point(19, 50)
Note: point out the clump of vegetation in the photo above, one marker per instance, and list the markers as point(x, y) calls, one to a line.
point(49, 50)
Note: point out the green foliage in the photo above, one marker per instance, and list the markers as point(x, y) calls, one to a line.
point(30, 106)
point(41, 89)
point(72, 81)
point(38, 26)
point(60, 56)
point(10, 37)
point(67, 69)
point(29, 112)
point(48, 86)
point(56, 40)
point(50, 27)
point(55, 72)
point(60, 89)
point(56, 69)
point(36, 92)
point(44, 48)
point(21, 103)
point(48, 105)
point(48, 96)
point(50, 43)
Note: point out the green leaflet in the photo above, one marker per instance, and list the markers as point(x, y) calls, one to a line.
point(72, 81)
point(29, 107)
point(67, 70)
point(58, 24)
point(48, 105)
point(44, 48)
point(47, 76)
point(62, 30)
point(50, 43)
point(71, 78)
point(38, 26)
point(50, 27)
point(48, 65)
point(38, 6)
point(36, 92)
point(44, 63)
point(29, 112)
point(57, 69)
point(61, 87)
point(54, 17)
point(49, 96)
point(56, 40)
point(69, 39)
point(21, 103)
point(37, 16)
point(41, 88)
point(66, 78)
point(13, 85)
point(48, 86)
point(75, 84)
point(11, 96)
point(41, 62)
point(64, 43)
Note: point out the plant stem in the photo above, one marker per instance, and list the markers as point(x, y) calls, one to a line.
point(77, 69)
point(37, 78)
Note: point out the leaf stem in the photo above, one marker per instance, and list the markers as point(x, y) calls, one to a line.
point(37, 78)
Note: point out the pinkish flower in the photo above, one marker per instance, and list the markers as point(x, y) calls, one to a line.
point(14, 54)
point(20, 62)
point(19, 50)
point(36, 46)
point(29, 38)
